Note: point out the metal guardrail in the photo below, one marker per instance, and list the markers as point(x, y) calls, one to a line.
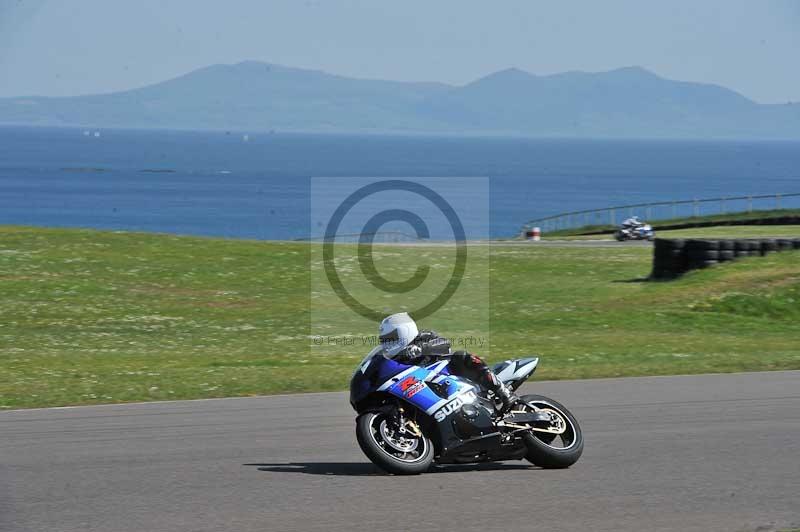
point(664, 210)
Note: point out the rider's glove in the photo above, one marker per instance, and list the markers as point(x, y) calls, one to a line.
point(408, 354)
point(426, 336)
point(436, 347)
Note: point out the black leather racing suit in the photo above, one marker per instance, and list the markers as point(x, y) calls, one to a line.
point(428, 347)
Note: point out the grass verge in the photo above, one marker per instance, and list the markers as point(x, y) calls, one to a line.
point(101, 317)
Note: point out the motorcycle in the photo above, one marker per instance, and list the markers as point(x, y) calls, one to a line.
point(409, 417)
point(639, 232)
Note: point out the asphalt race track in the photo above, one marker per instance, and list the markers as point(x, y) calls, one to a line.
point(713, 452)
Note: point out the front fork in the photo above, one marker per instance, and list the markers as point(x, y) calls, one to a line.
point(406, 424)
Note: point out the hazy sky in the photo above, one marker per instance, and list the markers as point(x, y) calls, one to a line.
point(64, 47)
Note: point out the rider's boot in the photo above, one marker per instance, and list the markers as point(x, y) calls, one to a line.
point(508, 397)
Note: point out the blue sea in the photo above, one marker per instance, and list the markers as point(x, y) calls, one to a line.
point(257, 185)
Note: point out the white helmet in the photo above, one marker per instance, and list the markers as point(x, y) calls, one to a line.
point(397, 332)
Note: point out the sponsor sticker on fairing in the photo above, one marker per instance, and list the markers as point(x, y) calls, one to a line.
point(414, 389)
point(455, 404)
point(408, 382)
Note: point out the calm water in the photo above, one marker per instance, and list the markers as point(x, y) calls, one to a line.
point(213, 183)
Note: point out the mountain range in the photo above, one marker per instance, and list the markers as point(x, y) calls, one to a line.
point(628, 102)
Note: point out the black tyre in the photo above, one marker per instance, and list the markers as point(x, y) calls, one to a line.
point(727, 245)
point(796, 243)
point(768, 246)
point(699, 265)
point(553, 451)
point(663, 263)
point(726, 255)
point(668, 247)
point(698, 255)
point(392, 452)
point(678, 265)
point(785, 244)
point(619, 236)
point(667, 253)
point(697, 244)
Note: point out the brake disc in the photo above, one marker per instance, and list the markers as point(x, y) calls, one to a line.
point(398, 443)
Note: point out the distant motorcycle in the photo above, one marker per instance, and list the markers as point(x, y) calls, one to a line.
point(412, 416)
point(635, 232)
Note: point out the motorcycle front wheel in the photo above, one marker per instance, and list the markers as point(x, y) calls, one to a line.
point(558, 449)
point(400, 453)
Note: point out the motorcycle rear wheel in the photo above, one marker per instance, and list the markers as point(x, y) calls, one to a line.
point(390, 451)
point(551, 451)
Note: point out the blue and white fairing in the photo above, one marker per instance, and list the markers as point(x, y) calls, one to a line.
point(515, 372)
point(377, 373)
point(412, 384)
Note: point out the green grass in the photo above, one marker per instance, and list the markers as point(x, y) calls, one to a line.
point(101, 317)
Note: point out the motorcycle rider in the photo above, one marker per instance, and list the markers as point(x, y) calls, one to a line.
point(632, 223)
point(403, 342)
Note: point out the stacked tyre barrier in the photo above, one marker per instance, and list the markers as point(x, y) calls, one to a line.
point(675, 256)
